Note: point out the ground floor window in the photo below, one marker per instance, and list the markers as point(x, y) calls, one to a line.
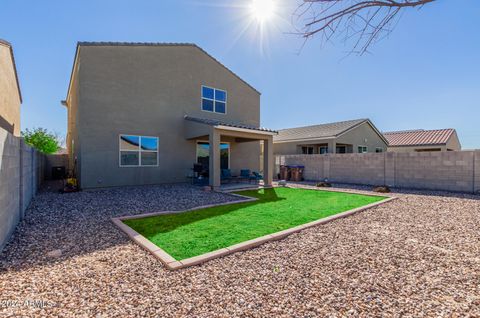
point(362, 149)
point(341, 149)
point(323, 150)
point(203, 154)
point(136, 151)
point(307, 150)
point(378, 149)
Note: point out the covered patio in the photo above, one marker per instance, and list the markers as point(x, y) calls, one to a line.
point(216, 133)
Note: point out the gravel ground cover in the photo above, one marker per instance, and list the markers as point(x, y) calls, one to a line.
point(415, 256)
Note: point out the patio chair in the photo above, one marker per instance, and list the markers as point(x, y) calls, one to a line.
point(245, 174)
point(200, 174)
point(255, 177)
point(226, 175)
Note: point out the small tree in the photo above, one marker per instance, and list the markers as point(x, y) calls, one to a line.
point(42, 140)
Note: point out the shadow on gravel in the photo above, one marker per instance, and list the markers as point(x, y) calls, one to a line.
point(80, 223)
point(150, 226)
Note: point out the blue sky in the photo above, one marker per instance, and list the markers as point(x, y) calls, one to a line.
point(426, 74)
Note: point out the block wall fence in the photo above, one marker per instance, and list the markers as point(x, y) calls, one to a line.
point(457, 171)
point(21, 173)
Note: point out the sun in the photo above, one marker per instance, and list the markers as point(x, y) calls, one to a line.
point(262, 10)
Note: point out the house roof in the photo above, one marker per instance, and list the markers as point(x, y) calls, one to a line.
point(322, 131)
point(418, 137)
point(215, 122)
point(79, 44)
point(9, 45)
point(62, 151)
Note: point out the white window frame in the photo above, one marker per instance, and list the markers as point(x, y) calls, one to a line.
point(378, 148)
point(222, 142)
point(139, 151)
point(214, 99)
point(366, 149)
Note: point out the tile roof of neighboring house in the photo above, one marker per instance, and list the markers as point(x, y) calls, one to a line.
point(214, 122)
point(9, 45)
point(323, 131)
point(418, 137)
point(79, 44)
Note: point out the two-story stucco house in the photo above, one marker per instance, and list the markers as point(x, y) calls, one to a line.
point(145, 113)
point(10, 95)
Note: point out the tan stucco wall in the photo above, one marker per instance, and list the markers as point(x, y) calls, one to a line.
point(289, 148)
point(363, 135)
point(245, 155)
point(73, 142)
point(454, 143)
point(147, 90)
point(9, 95)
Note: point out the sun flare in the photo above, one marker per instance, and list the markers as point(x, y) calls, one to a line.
point(262, 10)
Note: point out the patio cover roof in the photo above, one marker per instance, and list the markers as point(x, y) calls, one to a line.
point(220, 124)
point(7, 44)
point(215, 129)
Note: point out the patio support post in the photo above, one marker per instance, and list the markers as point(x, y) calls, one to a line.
point(214, 161)
point(268, 161)
point(332, 146)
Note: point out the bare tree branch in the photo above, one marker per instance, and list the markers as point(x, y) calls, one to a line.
point(361, 21)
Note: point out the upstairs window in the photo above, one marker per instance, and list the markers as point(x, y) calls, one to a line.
point(138, 151)
point(214, 100)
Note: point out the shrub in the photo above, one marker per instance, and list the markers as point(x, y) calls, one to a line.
point(42, 140)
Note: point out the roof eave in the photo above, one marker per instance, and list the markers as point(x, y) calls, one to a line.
point(251, 131)
point(65, 102)
point(9, 45)
point(304, 139)
point(228, 126)
point(418, 145)
point(368, 121)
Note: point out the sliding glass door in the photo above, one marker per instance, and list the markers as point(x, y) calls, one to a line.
point(203, 154)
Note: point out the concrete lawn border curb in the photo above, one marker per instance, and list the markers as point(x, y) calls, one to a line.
point(173, 264)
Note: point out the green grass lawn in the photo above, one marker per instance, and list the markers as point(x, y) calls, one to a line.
point(197, 232)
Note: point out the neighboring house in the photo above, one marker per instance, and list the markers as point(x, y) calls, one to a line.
point(61, 151)
point(10, 95)
point(144, 113)
point(423, 140)
point(352, 136)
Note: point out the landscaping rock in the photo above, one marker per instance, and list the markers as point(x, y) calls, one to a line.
point(417, 256)
point(381, 189)
point(207, 188)
point(55, 254)
point(282, 183)
point(324, 184)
